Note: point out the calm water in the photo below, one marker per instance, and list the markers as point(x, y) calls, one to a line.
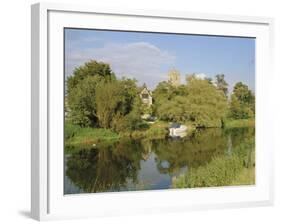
point(146, 164)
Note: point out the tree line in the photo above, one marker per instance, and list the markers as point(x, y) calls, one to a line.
point(97, 98)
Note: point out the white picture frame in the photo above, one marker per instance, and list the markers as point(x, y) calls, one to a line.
point(47, 199)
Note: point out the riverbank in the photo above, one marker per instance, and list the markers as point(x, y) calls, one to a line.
point(227, 170)
point(76, 135)
point(86, 136)
point(239, 123)
point(156, 130)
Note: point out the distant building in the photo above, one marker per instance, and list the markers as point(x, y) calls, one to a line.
point(146, 96)
point(174, 77)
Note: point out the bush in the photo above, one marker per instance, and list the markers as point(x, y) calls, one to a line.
point(131, 122)
point(75, 136)
point(222, 170)
point(219, 172)
point(239, 123)
point(70, 130)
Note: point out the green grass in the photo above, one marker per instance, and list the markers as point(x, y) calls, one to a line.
point(221, 171)
point(75, 135)
point(245, 177)
point(240, 123)
point(86, 136)
point(227, 170)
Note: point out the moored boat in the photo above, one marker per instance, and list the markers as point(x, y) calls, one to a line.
point(177, 130)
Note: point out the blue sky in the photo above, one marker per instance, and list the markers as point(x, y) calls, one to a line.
point(149, 56)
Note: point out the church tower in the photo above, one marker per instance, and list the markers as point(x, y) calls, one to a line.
point(174, 77)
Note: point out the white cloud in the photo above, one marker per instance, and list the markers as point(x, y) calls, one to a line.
point(201, 76)
point(140, 60)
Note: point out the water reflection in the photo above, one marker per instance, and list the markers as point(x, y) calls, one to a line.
point(146, 164)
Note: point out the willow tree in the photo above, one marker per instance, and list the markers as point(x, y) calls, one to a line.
point(206, 105)
point(108, 98)
point(116, 102)
point(198, 102)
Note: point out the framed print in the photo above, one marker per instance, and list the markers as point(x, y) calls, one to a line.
point(148, 111)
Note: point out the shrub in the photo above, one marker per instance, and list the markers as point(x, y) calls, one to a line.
point(131, 122)
point(221, 171)
point(70, 130)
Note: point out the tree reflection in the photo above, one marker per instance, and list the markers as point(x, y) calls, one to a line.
point(191, 152)
point(106, 168)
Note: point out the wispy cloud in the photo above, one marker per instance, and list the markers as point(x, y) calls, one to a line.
point(140, 60)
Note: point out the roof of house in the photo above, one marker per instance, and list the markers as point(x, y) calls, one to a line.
point(144, 88)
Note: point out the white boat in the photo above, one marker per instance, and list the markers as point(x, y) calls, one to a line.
point(177, 130)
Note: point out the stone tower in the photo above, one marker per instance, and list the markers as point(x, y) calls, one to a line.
point(174, 77)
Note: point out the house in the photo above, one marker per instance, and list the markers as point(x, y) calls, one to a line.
point(146, 96)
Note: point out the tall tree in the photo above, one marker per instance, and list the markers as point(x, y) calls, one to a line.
point(221, 83)
point(243, 93)
point(96, 98)
point(114, 99)
point(91, 68)
point(165, 92)
point(242, 102)
point(108, 97)
point(199, 102)
point(207, 106)
point(81, 101)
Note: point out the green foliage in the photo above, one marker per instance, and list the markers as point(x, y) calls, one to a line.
point(91, 68)
point(108, 101)
point(70, 130)
point(243, 94)
point(245, 177)
point(207, 106)
point(199, 102)
point(242, 102)
point(174, 110)
point(118, 105)
point(128, 123)
point(81, 91)
point(221, 170)
point(158, 130)
point(82, 102)
point(96, 98)
point(239, 123)
point(164, 93)
point(77, 136)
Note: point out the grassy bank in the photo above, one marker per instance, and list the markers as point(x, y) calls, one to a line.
point(239, 123)
point(228, 170)
point(75, 135)
point(245, 177)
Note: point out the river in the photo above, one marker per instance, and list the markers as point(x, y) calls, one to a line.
point(146, 164)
